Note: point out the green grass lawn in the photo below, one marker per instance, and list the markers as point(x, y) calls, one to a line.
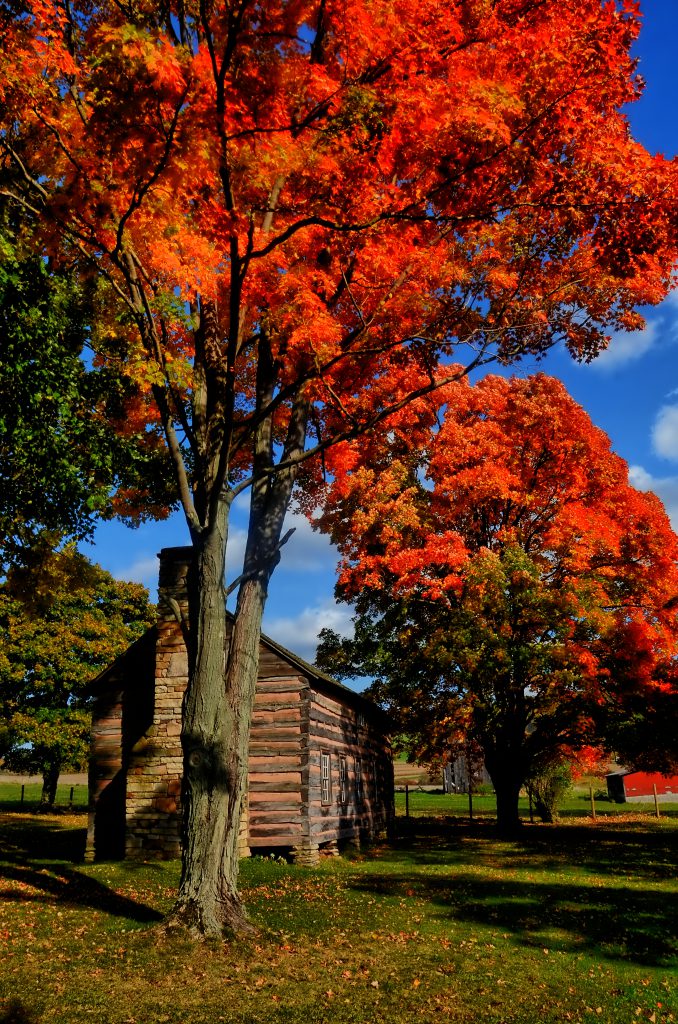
point(574, 922)
point(10, 797)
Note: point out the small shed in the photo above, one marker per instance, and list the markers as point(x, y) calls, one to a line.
point(626, 786)
point(320, 765)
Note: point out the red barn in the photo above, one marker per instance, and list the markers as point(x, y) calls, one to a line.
point(629, 787)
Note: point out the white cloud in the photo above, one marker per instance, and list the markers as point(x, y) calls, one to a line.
point(144, 569)
point(627, 347)
point(299, 633)
point(305, 551)
point(665, 432)
point(666, 488)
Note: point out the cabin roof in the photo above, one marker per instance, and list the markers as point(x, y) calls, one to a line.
point(323, 681)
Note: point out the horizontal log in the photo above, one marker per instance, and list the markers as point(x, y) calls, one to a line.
point(261, 732)
point(322, 743)
point(275, 787)
point(267, 841)
point(336, 825)
point(265, 694)
point(262, 762)
point(329, 702)
point(281, 806)
point(284, 820)
point(273, 668)
point(263, 775)
point(272, 749)
point(268, 832)
point(282, 713)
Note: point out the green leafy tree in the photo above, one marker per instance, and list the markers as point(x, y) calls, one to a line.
point(62, 620)
point(547, 785)
point(63, 458)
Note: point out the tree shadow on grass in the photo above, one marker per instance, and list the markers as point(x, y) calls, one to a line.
point(35, 835)
point(566, 911)
point(626, 850)
point(68, 886)
point(17, 1013)
point(22, 860)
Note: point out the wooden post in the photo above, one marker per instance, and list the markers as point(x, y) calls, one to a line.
point(23, 789)
point(656, 801)
point(70, 799)
point(407, 799)
point(470, 800)
point(593, 803)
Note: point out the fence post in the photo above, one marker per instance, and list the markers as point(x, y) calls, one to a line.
point(23, 789)
point(70, 799)
point(407, 799)
point(656, 801)
point(593, 803)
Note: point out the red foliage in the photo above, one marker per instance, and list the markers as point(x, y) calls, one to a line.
point(513, 463)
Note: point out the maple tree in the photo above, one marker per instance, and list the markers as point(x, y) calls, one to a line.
point(62, 621)
point(299, 211)
point(511, 586)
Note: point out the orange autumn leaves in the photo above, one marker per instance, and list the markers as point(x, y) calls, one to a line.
point(441, 172)
point(509, 464)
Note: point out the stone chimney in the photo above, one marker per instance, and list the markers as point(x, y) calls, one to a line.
point(173, 584)
point(153, 805)
point(155, 767)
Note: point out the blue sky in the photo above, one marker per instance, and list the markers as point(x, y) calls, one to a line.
point(631, 391)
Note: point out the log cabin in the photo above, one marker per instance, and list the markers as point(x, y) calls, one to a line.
point(320, 765)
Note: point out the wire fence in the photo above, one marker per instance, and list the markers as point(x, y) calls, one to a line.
point(416, 801)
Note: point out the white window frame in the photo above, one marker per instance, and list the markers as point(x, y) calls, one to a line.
point(343, 779)
point(359, 794)
point(325, 778)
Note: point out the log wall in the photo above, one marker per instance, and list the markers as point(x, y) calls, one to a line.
point(136, 762)
point(277, 755)
point(359, 805)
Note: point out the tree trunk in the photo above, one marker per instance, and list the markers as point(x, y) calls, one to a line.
point(50, 781)
point(219, 699)
point(507, 789)
point(215, 739)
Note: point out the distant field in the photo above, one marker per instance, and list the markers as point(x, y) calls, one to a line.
point(10, 797)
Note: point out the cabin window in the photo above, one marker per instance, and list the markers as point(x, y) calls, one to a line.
point(375, 778)
point(358, 781)
point(325, 781)
point(360, 720)
point(343, 780)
